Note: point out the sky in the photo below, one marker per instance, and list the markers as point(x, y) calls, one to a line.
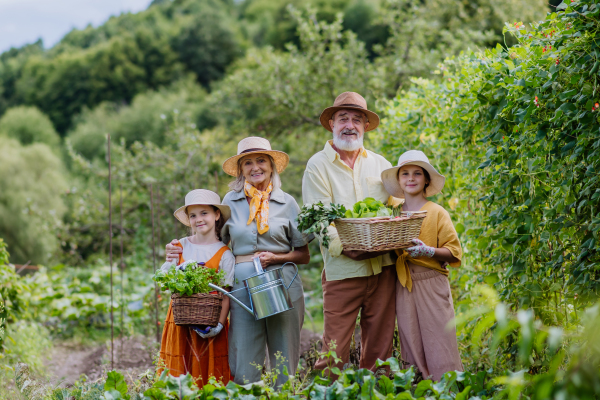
point(25, 21)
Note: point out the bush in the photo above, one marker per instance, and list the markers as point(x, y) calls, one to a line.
point(32, 182)
point(28, 125)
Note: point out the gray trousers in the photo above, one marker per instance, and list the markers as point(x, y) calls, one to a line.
point(249, 339)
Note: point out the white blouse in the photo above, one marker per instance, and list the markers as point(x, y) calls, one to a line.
point(203, 253)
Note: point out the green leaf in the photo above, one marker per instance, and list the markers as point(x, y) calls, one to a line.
point(115, 381)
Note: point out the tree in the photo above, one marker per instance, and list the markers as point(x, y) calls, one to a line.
point(32, 183)
point(28, 125)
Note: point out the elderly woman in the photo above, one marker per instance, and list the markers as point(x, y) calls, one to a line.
point(262, 222)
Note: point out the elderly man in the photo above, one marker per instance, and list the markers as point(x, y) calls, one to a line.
point(344, 172)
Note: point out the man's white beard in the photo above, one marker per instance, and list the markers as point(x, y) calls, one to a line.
point(347, 144)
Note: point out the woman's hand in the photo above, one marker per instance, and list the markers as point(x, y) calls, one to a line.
point(172, 251)
point(267, 258)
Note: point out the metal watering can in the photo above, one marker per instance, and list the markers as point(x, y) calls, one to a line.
point(268, 293)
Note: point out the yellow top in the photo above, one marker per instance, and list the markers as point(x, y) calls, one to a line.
point(329, 180)
point(437, 231)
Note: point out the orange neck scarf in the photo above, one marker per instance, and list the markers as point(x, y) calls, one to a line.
point(259, 206)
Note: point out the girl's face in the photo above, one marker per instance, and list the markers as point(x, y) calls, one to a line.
point(203, 218)
point(412, 179)
point(257, 170)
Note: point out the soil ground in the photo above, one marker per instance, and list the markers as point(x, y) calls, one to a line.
point(133, 357)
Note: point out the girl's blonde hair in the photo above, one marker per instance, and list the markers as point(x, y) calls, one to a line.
point(237, 185)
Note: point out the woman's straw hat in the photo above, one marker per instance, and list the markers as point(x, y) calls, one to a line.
point(353, 101)
point(201, 197)
point(389, 177)
point(253, 145)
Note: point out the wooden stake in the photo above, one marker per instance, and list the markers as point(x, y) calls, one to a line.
point(110, 261)
point(122, 271)
point(154, 265)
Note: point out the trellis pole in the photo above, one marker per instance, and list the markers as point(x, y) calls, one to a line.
point(154, 265)
point(122, 269)
point(110, 260)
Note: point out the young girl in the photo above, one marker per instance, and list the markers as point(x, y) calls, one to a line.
point(424, 304)
point(187, 349)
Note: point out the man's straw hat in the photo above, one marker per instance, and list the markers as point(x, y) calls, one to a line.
point(254, 145)
point(352, 101)
point(201, 197)
point(389, 177)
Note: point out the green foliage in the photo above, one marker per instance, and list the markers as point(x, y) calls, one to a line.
point(147, 118)
point(32, 183)
point(191, 278)
point(28, 125)
point(315, 218)
point(426, 32)
point(533, 234)
point(368, 208)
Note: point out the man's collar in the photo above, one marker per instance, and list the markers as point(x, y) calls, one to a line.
point(332, 154)
point(276, 195)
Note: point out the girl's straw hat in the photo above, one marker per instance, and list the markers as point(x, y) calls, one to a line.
point(253, 145)
point(389, 177)
point(201, 197)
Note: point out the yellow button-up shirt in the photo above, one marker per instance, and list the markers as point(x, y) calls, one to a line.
point(329, 180)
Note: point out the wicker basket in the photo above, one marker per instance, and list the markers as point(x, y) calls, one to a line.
point(380, 233)
point(197, 309)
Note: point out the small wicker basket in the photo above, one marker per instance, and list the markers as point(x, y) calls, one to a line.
point(380, 233)
point(197, 309)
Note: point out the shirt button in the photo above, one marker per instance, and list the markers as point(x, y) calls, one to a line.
point(255, 247)
point(254, 232)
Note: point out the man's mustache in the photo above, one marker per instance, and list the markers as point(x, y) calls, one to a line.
point(347, 131)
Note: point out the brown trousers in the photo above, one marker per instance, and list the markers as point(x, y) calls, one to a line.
point(426, 339)
point(374, 296)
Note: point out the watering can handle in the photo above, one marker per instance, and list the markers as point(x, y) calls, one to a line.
point(295, 266)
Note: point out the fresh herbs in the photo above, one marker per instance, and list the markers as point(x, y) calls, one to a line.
point(315, 218)
point(189, 278)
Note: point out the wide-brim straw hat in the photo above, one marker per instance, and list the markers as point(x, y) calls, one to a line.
point(254, 145)
point(201, 197)
point(352, 101)
point(389, 177)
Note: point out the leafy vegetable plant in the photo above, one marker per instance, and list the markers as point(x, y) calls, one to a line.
point(315, 218)
point(189, 278)
point(368, 208)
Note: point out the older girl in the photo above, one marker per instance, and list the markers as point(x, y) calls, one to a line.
point(424, 306)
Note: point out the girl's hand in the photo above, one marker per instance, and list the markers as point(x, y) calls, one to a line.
point(420, 250)
point(267, 258)
point(212, 332)
point(172, 251)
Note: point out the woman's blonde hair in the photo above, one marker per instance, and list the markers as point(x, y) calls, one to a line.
point(237, 185)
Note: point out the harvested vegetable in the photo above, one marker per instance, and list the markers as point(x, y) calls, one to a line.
point(315, 218)
point(368, 208)
point(189, 278)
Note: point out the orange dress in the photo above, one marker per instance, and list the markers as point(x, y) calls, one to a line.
point(184, 351)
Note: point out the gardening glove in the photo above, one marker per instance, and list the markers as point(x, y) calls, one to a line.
point(212, 332)
point(420, 250)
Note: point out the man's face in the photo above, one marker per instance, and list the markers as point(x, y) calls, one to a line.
point(348, 128)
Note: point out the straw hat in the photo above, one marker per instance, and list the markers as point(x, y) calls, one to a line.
point(352, 101)
point(201, 197)
point(253, 145)
point(389, 177)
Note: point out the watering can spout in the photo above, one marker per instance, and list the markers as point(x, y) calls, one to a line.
point(232, 297)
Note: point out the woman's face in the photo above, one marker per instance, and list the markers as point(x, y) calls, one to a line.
point(203, 218)
point(412, 179)
point(257, 170)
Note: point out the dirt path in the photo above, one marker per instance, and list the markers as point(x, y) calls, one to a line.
point(67, 363)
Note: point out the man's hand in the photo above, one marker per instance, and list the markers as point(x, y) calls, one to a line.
point(173, 251)
point(359, 255)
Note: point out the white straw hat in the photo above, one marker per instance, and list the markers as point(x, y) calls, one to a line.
point(201, 197)
point(389, 177)
point(253, 145)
